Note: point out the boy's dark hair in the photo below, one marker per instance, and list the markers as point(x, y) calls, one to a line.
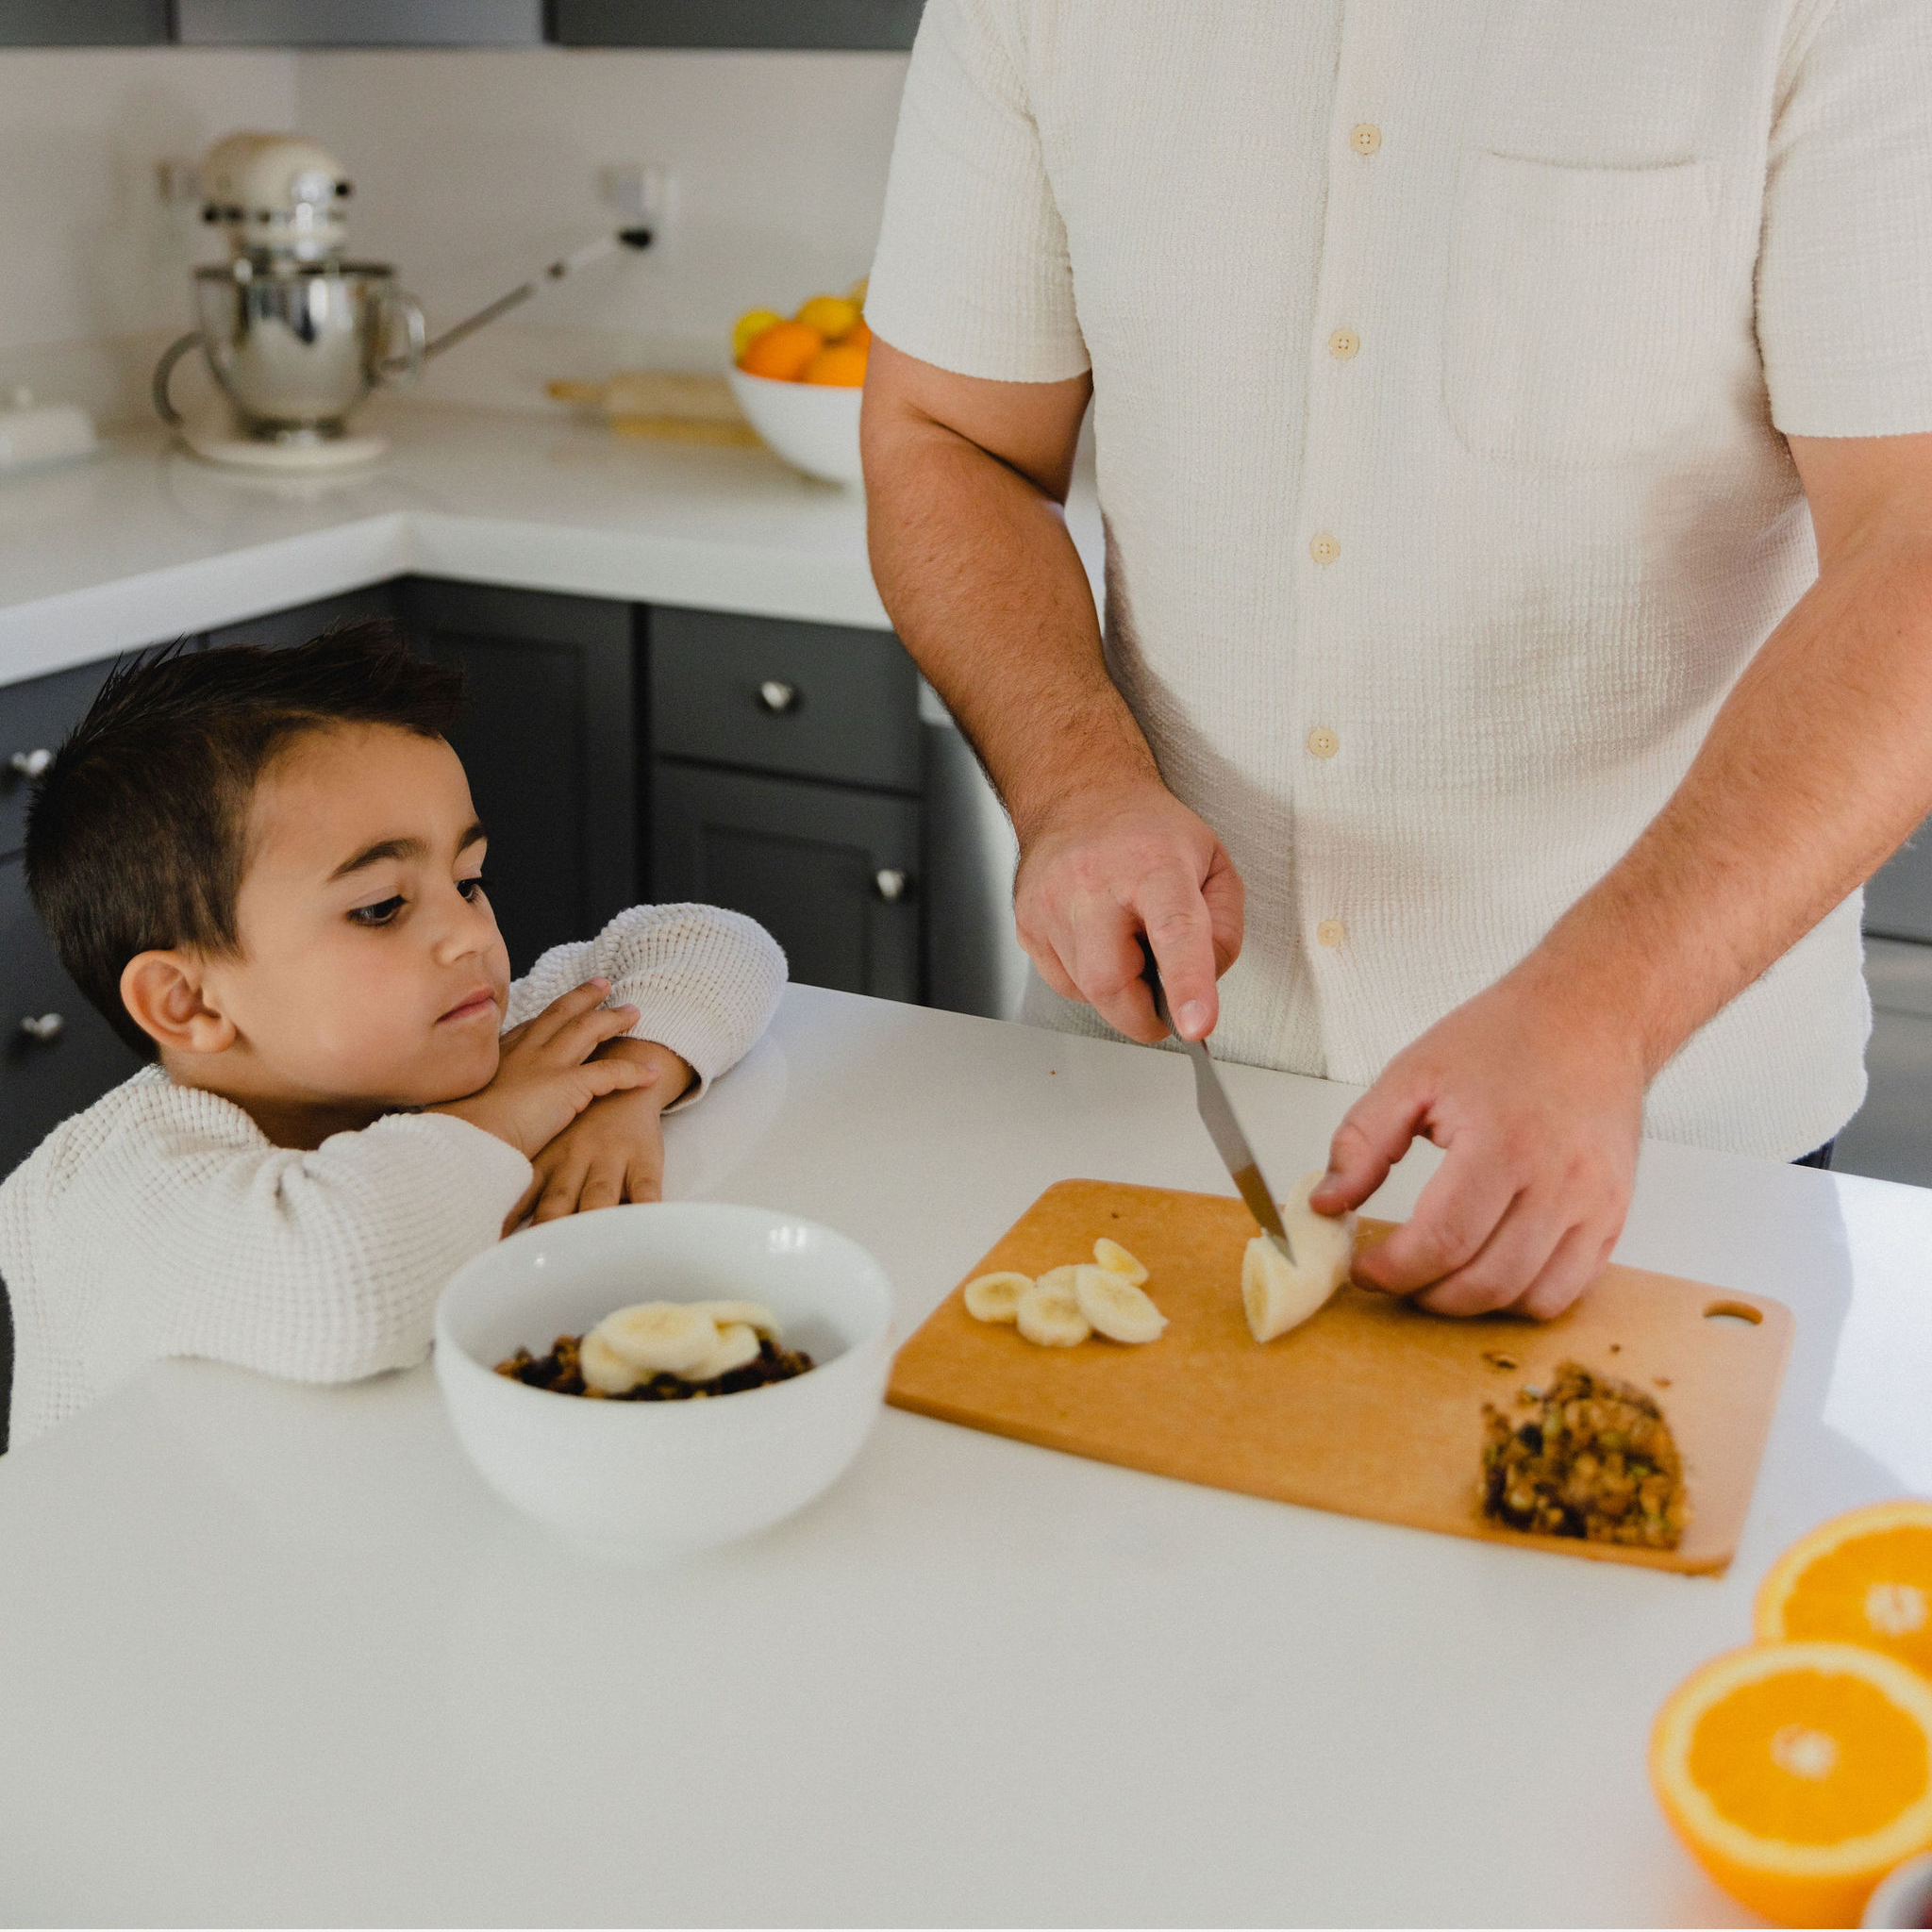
point(136, 835)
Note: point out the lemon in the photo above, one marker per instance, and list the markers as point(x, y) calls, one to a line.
point(754, 321)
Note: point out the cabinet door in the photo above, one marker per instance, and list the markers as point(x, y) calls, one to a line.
point(34, 717)
point(1898, 896)
point(547, 737)
point(83, 22)
point(826, 870)
point(810, 700)
point(358, 22)
point(735, 22)
point(57, 1053)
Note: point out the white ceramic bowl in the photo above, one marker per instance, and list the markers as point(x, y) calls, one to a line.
point(813, 425)
point(651, 1481)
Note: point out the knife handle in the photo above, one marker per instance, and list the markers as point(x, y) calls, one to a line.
point(1151, 973)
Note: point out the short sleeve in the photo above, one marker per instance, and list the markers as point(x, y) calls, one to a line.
point(1844, 272)
point(972, 272)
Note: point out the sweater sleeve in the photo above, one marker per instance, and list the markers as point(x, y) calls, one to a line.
point(705, 981)
point(319, 1266)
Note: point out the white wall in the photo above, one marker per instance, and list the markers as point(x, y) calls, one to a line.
point(472, 169)
point(94, 267)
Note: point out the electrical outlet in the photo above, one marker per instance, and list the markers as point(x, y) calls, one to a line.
point(645, 197)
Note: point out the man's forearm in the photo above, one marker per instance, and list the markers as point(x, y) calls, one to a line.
point(1818, 764)
point(976, 566)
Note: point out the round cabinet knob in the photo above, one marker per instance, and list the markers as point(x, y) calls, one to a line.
point(777, 696)
point(890, 884)
point(30, 764)
point(47, 1026)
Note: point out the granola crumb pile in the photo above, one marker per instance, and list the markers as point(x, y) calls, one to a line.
point(1594, 1460)
point(561, 1373)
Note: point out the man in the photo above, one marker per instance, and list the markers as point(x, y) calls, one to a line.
point(1514, 432)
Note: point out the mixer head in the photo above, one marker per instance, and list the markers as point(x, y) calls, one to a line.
point(279, 196)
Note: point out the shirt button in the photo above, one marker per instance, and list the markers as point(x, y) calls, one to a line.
point(1323, 743)
point(1325, 549)
point(1343, 344)
point(1331, 932)
point(1365, 136)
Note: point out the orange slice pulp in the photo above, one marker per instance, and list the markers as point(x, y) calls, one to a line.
point(1864, 1577)
point(1799, 1775)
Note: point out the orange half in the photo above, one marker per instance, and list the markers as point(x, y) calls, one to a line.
point(1864, 1577)
point(1799, 1775)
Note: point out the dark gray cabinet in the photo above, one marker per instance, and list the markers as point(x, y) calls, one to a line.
point(83, 22)
point(828, 870)
point(802, 24)
point(34, 717)
point(57, 1053)
point(547, 738)
point(786, 783)
point(358, 22)
point(1898, 896)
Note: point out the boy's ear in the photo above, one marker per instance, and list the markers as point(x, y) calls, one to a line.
point(164, 995)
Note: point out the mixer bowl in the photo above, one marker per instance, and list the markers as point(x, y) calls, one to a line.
point(297, 345)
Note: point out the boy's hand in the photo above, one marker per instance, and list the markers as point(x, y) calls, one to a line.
point(547, 1076)
point(615, 1150)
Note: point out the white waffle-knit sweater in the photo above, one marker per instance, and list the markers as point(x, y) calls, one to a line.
point(1441, 351)
point(162, 1221)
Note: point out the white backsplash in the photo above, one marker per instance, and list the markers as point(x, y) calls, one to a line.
point(472, 169)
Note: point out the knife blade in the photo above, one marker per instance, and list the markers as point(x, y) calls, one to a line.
point(1223, 1129)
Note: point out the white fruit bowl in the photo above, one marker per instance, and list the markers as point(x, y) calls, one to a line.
point(651, 1481)
point(813, 425)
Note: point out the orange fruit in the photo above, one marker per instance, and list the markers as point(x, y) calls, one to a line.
point(1864, 1577)
point(781, 350)
point(858, 338)
point(833, 316)
point(754, 321)
point(1799, 1775)
point(838, 366)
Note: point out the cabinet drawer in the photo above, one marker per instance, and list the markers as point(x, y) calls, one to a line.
point(43, 1080)
point(811, 700)
point(35, 717)
point(827, 871)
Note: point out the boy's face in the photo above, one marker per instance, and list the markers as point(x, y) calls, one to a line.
point(371, 968)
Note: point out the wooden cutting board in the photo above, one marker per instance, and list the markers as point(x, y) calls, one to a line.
point(1372, 1407)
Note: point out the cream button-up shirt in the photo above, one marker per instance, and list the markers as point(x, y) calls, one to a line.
point(1442, 352)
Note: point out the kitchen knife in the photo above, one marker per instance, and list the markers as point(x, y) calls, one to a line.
point(1217, 1116)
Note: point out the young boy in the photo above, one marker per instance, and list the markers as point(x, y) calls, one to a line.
point(264, 869)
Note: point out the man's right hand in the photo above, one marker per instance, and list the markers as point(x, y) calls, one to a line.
point(546, 1076)
point(1101, 867)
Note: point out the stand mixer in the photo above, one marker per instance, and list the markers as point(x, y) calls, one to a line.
point(295, 334)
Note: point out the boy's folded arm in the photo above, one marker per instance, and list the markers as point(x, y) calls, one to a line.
point(705, 981)
point(322, 1266)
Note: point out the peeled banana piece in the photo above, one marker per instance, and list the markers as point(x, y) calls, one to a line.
point(603, 1368)
point(659, 1337)
point(1112, 1256)
point(753, 1314)
point(1277, 1296)
point(737, 1343)
point(995, 1297)
point(1115, 1306)
point(1050, 1313)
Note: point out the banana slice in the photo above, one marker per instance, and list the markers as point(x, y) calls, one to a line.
point(1117, 1308)
point(753, 1314)
point(603, 1368)
point(1279, 1297)
point(1062, 1276)
point(996, 1298)
point(1050, 1313)
point(660, 1336)
point(737, 1343)
point(1110, 1254)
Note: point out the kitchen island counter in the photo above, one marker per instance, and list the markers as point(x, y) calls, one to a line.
point(273, 1654)
point(145, 542)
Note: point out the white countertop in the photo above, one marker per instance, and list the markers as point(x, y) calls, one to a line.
point(273, 1654)
point(144, 541)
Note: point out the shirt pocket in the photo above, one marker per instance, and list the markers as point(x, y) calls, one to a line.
point(1580, 321)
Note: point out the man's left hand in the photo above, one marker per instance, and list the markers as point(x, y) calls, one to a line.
point(613, 1151)
point(1538, 1110)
